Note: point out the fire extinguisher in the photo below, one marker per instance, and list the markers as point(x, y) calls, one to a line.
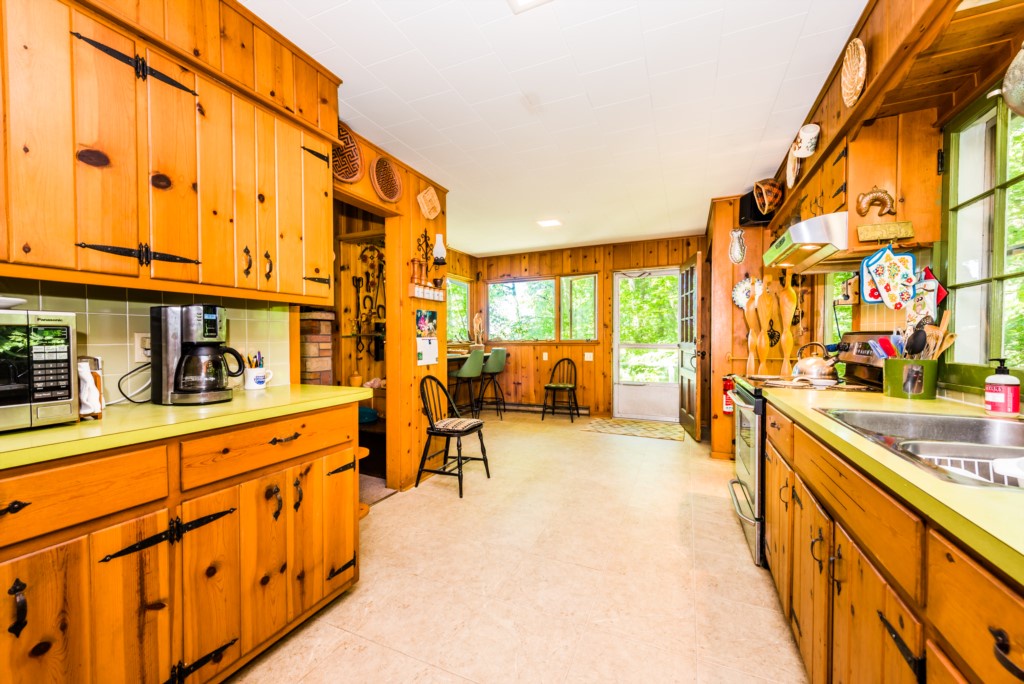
point(727, 405)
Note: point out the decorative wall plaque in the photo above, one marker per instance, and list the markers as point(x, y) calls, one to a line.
point(855, 69)
point(386, 181)
point(346, 160)
point(430, 205)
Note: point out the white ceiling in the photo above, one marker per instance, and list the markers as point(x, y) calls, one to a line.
point(621, 118)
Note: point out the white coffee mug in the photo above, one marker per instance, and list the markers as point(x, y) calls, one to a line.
point(807, 141)
point(257, 378)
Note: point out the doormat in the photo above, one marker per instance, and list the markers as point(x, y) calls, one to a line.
point(372, 489)
point(637, 428)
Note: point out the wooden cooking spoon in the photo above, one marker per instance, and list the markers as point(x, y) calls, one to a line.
point(947, 342)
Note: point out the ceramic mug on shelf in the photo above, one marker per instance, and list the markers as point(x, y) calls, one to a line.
point(257, 378)
point(807, 141)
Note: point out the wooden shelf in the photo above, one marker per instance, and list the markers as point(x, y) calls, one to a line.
point(426, 292)
point(362, 236)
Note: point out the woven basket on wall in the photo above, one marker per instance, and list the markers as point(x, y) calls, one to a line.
point(346, 160)
point(386, 181)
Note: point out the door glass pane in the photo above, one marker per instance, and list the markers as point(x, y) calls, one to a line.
point(976, 166)
point(522, 310)
point(579, 307)
point(971, 325)
point(458, 311)
point(1013, 322)
point(1014, 229)
point(649, 365)
point(1015, 146)
point(973, 241)
point(649, 310)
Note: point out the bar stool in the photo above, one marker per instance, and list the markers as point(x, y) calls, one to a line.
point(468, 372)
point(495, 364)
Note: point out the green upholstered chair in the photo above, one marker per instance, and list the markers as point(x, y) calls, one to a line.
point(492, 368)
point(563, 379)
point(466, 376)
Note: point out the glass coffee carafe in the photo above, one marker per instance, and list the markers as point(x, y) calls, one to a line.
point(204, 368)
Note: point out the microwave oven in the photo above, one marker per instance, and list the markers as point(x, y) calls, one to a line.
point(38, 374)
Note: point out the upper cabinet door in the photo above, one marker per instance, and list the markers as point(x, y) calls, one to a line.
point(290, 255)
point(328, 101)
point(194, 26)
point(172, 178)
point(236, 46)
point(306, 94)
point(247, 254)
point(266, 200)
point(275, 76)
point(106, 146)
point(216, 201)
point(318, 215)
point(147, 14)
point(40, 133)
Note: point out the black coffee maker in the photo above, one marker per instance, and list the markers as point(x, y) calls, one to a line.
point(189, 354)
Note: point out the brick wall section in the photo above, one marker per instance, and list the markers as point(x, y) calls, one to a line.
point(315, 329)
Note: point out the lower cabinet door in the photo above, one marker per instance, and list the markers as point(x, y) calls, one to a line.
point(779, 528)
point(875, 637)
point(210, 584)
point(810, 615)
point(45, 616)
point(940, 669)
point(265, 567)
point(341, 500)
point(305, 541)
point(131, 602)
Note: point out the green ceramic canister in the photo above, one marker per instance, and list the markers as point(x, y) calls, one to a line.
point(910, 378)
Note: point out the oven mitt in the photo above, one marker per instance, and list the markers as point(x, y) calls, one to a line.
point(924, 302)
point(869, 293)
point(940, 291)
point(894, 278)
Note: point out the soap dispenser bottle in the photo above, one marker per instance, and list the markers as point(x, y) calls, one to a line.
point(1002, 392)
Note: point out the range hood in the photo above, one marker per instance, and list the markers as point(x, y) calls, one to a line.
point(808, 243)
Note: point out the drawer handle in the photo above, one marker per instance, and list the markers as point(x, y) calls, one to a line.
point(819, 538)
point(1002, 651)
point(275, 493)
point(14, 507)
point(17, 590)
point(298, 488)
point(282, 440)
point(773, 425)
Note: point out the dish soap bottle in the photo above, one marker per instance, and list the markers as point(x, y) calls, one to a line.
point(1002, 392)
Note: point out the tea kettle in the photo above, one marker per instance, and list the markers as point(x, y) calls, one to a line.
point(815, 366)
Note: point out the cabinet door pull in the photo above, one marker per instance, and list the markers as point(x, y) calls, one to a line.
point(270, 265)
point(298, 489)
point(282, 440)
point(819, 538)
point(773, 425)
point(784, 501)
point(275, 493)
point(14, 507)
point(832, 569)
point(17, 590)
point(1001, 649)
point(248, 263)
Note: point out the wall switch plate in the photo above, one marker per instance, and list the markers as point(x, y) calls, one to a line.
point(588, 356)
point(142, 348)
point(544, 356)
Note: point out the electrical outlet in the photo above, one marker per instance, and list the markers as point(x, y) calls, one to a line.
point(544, 356)
point(588, 356)
point(142, 348)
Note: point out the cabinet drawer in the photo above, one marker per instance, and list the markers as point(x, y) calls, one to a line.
point(62, 497)
point(940, 669)
point(208, 459)
point(966, 603)
point(889, 531)
point(779, 429)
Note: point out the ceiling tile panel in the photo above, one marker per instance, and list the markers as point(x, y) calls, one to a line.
point(683, 44)
point(479, 79)
point(445, 35)
point(527, 39)
point(381, 106)
point(621, 82)
point(410, 76)
point(445, 109)
point(607, 41)
point(554, 80)
point(365, 32)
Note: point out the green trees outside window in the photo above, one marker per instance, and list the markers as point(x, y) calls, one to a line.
point(579, 307)
point(521, 310)
point(458, 310)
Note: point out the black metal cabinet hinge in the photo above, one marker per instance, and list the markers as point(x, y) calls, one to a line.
point(348, 466)
point(173, 258)
point(137, 63)
point(130, 60)
point(180, 671)
point(174, 532)
point(916, 664)
point(337, 571)
point(840, 189)
point(322, 157)
point(138, 253)
point(322, 281)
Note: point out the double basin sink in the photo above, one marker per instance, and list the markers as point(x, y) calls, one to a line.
point(986, 452)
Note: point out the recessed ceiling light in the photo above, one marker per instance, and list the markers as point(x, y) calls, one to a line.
point(520, 6)
point(549, 223)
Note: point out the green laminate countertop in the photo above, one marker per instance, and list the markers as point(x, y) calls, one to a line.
point(989, 520)
point(129, 424)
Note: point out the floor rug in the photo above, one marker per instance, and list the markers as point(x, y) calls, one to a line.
point(372, 489)
point(637, 428)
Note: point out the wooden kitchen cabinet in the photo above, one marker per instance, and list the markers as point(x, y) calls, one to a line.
point(290, 253)
point(306, 92)
point(132, 602)
point(246, 254)
point(810, 197)
point(833, 180)
point(46, 615)
point(779, 482)
point(810, 616)
point(194, 26)
point(266, 200)
point(147, 14)
point(317, 217)
point(275, 70)
point(341, 501)
point(236, 37)
point(217, 253)
point(305, 511)
point(327, 102)
point(264, 546)
point(940, 669)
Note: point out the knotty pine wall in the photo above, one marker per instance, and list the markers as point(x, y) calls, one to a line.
point(527, 372)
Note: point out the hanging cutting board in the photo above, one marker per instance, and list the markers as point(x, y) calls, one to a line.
point(753, 330)
point(787, 305)
point(765, 308)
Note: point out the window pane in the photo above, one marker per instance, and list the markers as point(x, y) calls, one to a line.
point(579, 308)
point(1013, 322)
point(974, 241)
point(1015, 146)
point(649, 310)
point(649, 365)
point(976, 161)
point(1014, 229)
point(970, 322)
point(458, 311)
point(522, 310)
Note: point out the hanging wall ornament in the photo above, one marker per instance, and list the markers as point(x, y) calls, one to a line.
point(385, 179)
point(737, 248)
point(346, 160)
point(430, 206)
point(854, 72)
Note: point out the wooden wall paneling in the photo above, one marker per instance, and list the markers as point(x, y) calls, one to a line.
point(246, 253)
point(275, 72)
point(106, 148)
point(216, 184)
point(236, 36)
point(172, 176)
point(40, 133)
point(307, 95)
point(194, 26)
point(147, 14)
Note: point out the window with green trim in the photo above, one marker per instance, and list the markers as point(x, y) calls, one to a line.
point(458, 310)
point(579, 307)
point(986, 235)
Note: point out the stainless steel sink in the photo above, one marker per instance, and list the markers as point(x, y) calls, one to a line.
point(959, 449)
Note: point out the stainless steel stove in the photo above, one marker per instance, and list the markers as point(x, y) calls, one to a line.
point(864, 370)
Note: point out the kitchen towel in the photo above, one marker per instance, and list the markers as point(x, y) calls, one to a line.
point(89, 400)
point(888, 278)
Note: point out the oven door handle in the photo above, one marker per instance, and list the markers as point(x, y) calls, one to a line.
point(736, 502)
point(736, 400)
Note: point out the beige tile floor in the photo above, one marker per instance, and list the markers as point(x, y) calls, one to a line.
point(586, 557)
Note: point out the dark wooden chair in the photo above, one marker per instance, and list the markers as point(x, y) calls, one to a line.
point(563, 379)
point(446, 422)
